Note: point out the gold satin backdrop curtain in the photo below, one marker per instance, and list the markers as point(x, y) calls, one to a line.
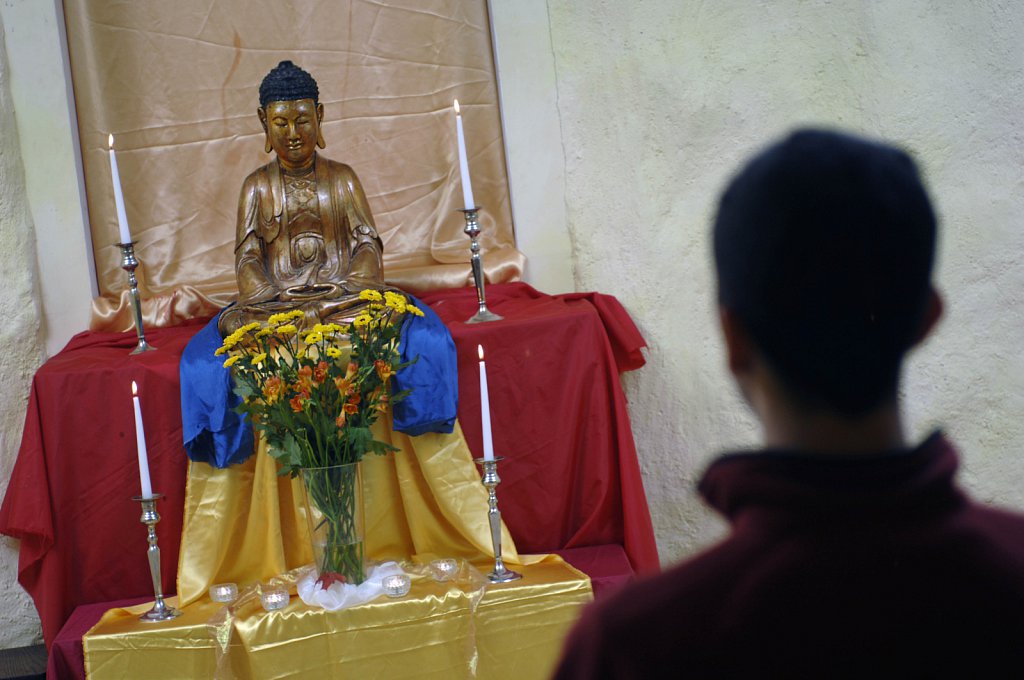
point(177, 84)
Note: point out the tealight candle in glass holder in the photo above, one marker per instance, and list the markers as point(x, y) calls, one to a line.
point(274, 597)
point(397, 585)
point(444, 570)
point(224, 592)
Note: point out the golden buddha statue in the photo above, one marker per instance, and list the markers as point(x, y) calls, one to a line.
point(305, 236)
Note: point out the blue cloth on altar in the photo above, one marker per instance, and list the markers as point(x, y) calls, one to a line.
point(213, 431)
point(217, 434)
point(433, 379)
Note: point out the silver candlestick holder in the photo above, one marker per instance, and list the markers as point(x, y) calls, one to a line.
point(490, 479)
point(128, 263)
point(473, 230)
point(159, 611)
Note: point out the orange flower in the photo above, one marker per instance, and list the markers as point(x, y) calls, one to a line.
point(354, 398)
point(350, 408)
point(320, 373)
point(296, 402)
point(305, 382)
point(347, 385)
point(340, 420)
point(382, 400)
point(383, 369)
point(344, 385)
point(273, 388)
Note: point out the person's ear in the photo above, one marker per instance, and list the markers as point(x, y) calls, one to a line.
point(739, 349)
point(319, 126)
point(932, 314)
point(266, 132)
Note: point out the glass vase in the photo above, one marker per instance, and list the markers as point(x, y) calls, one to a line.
point(334, 510)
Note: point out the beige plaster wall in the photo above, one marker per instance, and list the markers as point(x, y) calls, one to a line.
point(659, 99)
point(531, 126)
point(21, 349)
point(43, 101)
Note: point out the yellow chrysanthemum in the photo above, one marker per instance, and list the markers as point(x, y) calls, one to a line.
point(287, 329)
point(370, 294)
point(361, 320)
point(395, 301)
point(259, 359)
point(333, 352)
point(231, 360)
point(220, 350)
point(276, 319)
point(264, 332)
point(249, 327)
point(294, 314)
point(414, 310)
point(234, 338)
point(313, 338)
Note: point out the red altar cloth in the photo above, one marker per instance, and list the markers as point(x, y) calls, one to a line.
point(69, 498)
point(570, 477)
point(558, 415)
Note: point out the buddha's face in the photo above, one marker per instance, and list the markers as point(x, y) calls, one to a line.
point(292, 129)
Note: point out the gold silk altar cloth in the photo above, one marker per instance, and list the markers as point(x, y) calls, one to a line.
point(516, 632)
point(244, 523)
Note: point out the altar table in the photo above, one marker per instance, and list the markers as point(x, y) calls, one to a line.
point(437, 631)
point(570, 478)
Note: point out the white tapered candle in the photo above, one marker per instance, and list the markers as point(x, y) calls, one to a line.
point(485, 407)
point(140, 441)
point(115, 178)
point(467, 186)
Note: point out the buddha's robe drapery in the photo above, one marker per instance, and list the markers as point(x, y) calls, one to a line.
point(310, 232)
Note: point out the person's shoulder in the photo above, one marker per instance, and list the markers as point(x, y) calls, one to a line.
point(659, 597)
point(639, 608)
point(992, 536)
point(644, 628)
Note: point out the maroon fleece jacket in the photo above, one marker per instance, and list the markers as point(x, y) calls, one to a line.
point(866, 566)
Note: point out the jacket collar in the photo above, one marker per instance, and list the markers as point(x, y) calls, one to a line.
point(918, 478)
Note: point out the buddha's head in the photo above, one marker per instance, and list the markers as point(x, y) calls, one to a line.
point(291, 113)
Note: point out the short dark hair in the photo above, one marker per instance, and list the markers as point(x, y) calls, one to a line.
point(287, 82)
point(824, 245)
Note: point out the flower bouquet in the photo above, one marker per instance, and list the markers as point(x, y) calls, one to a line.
point(315, 393)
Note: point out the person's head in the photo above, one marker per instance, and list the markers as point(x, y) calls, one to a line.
point(290, 112)
point(824, 245)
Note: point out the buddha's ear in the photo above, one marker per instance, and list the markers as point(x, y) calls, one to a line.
point(319, 126)
point(266, 133)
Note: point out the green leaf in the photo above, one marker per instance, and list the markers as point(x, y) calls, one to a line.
point(244, 389)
